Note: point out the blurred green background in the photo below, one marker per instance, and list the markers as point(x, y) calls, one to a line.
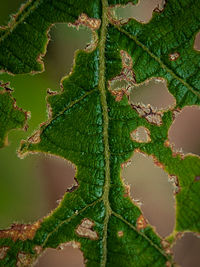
point(30, 187)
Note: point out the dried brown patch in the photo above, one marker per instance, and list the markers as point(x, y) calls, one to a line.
point(158, 163)
point(127, 191)
point(85, 229)
point(141, 222)
point(127, 75)
point(74, 244)
point(112, 17)
point(141, 135)
point(179, 235)
point(126, 164)
point(166, 245)
point(6, 87)
point(35, 138)
point(3, 252)
point(50, 92)
point(176, 186)
point(175, 113)
point(20, 231)
point(38, 249)
point(24, 259)
point(126, 60)
point(160, 7)
point(73, 187)
point(168, 264)
point(91, 23)
point(174, 56)
point(120, 233)
point(176, 152)
point(166, 143)
point(147, 112)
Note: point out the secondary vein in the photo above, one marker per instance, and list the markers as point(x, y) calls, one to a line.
point(134, 38)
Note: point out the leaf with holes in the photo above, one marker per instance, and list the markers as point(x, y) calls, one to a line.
point(92, 125)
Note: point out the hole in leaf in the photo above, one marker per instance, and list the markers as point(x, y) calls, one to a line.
point(141, 135)
point(150, 186)
point(174, 56)
point(64, 42)
point(69, 256)
point(153, 92)
point(57, 175)
point(185, 131)
point(22, 199)
point(142, 12)
point(197, 42)
point(186, 251)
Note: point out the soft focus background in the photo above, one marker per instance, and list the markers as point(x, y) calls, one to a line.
point(30, 188)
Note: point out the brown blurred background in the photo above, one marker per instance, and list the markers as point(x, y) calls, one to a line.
point(30, 188)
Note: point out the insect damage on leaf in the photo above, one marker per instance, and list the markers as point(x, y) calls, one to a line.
point(174, 56)
point(24, 259)
point(20, 231)
point(35, 138)
point(147, 112)
point(120, 85)
point(91, 23)
point(174, 180)
point(120, 233)
point(3, 251)
point(85, 229)
point(141, 135)
point(91, 121)
point(141, 222)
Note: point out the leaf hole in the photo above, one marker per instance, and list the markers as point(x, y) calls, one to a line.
point(66, 256)
point(58, 177)
point(120, 233)
point(153, 92)
point(185, 131)
point(64, 42)
point(149, 185)
point(141, 135)
point(174, 56)
point(186, 251)
point(141, 12)
point(49, 177)
point(85, 229)
point(197, 42)
point(3, 252)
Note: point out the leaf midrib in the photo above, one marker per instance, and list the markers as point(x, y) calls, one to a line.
point(102, 90)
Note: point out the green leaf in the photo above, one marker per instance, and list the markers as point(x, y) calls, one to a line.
point(90, 125)
point(164, 48)
point(11, 116)
point(23, 42)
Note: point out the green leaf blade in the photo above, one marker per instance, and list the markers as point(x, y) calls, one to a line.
point(11, 117)
point(151, 46)
point(91, 128)
point(24, 41)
